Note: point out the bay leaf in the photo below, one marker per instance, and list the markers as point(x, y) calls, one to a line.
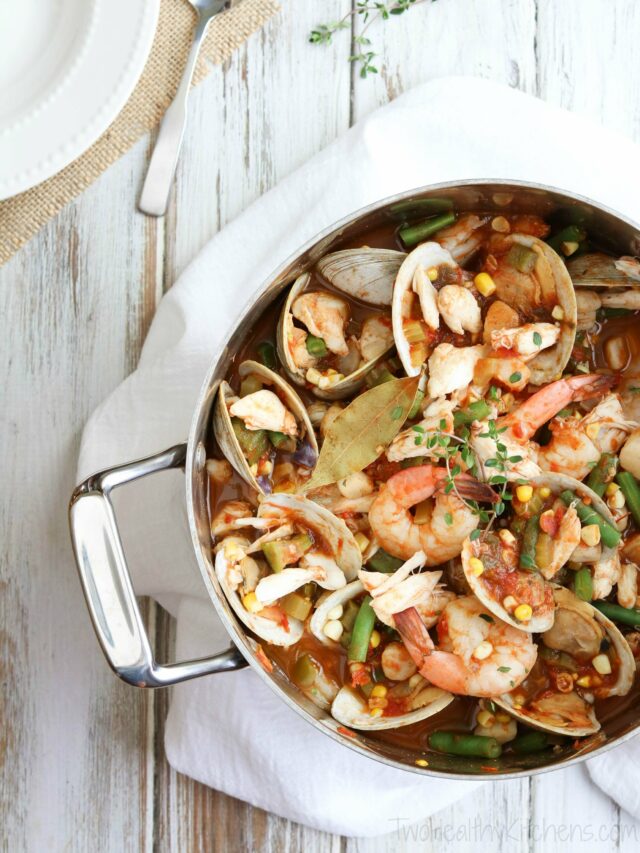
point(360, 432)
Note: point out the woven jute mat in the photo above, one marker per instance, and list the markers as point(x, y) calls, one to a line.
point(23, 215)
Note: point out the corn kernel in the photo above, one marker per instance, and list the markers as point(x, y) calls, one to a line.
point(501, 225)
point(518, 700)
point(545, 492)
point(335, 612)
point(432, 273)
point(611, 489)
point(485, 284)
point(503, 718)
point(557, 313)
point(379, 691)
point(569, 247)
point(506, 536)
point(590, 535)
point(601, 664)
point(584, 681)
point(482, 650)
point(313, 376)
point(362, 542)
point(509, 603)
point(524, 493)
point(617, 500)
point(250, 602)
point(523, 612)
point(375, 712)
point(485, 719)
point(422, 762)
point(333, 630)
point(476, 566)
point(374, 642)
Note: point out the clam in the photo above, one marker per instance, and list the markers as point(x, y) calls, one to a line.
point(595, 269)
point(351, 709)
point(414, 289)
point(535, 586)
point(532, 279)
point(580, 636)
point(303, 366)
point(365, 274)
point(279, 633)
point(329, 531)
point(303, 447)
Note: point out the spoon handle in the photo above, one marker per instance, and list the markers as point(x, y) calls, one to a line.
point(162, 167)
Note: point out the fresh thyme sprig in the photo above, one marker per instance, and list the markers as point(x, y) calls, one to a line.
point(369, 12)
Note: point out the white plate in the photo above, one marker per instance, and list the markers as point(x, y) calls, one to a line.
point(67, 68)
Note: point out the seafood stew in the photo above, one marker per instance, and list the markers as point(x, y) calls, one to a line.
point(424, 487)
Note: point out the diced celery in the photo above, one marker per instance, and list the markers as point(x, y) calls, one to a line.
point(522, 258)
point(305, 671)
point(253, 442)
point(296, 606)
point(285, 443)
point(250, 384)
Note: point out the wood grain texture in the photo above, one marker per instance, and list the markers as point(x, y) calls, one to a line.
point(82, 757)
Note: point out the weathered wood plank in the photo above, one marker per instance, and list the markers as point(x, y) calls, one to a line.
point(75, 304)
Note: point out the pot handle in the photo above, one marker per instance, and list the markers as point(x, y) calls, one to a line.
point(106, 582)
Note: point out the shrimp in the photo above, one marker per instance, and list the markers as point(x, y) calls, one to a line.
point(577, 443)
point(451, 520)
point(476, 655)
point(402, 589)
point(325, 315)
point(264, 410)
point(464, 238)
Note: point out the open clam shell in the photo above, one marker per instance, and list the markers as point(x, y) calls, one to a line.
point(534, 295)
point(320, 614)
point(326, 528)
point(578, 625)
point(347, 386)
point(479, 584)
point(595, 269)
point(426, 255)
point(226, 437)
point(267, 629)
point(351, 710)
point(366, 274)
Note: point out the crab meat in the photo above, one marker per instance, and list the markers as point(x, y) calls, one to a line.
point(428, 297)
point(629, 299)
point(376, 336)
point(325, 316)
point(298, 347)
point(629, 266)
point(264, 410)
point(451, 368)
point(526, 341)
point(404, 444)
point(459, 309)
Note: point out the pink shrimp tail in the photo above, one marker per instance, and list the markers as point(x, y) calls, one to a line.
point(471, 489)
point(546, 403)
point(416, 484)
point(414, 635)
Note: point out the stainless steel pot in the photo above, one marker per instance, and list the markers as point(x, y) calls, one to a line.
point(98, 550)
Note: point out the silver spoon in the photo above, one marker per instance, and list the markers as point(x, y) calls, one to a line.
point(162, 168)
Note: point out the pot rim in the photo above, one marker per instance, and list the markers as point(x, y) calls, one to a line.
point(195, 460)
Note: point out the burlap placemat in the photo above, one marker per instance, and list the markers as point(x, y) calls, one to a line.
point(23, 215)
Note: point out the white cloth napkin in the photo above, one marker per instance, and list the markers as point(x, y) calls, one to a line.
point(229, 730)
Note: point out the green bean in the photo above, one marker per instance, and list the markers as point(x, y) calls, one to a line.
point(631, 490)
point(570, 234)
point(267, 354)
point(411, 235)
point(587, 515)
point(362, 630)
point(383, 562)
point(529, 542)
point(454, 743)
point(603, 473)
point(316, 346)
point(583, 584)
point(625, 615)
point(530, 742)
point(476, 411)
point(608, 313)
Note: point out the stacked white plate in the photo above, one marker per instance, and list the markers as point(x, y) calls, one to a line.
point(67, 68)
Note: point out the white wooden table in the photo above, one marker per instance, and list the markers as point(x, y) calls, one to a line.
point(81, 754)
